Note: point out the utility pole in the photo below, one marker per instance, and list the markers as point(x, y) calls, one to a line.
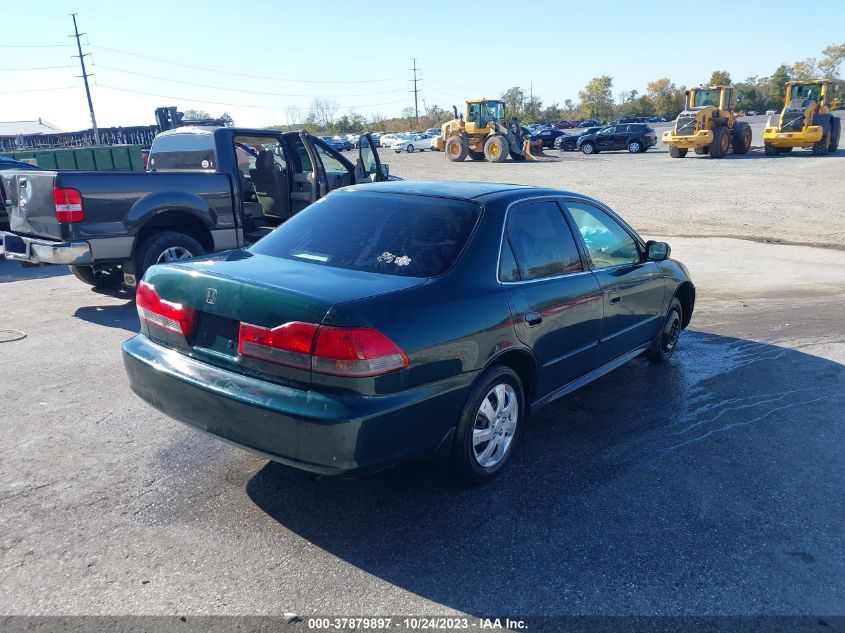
point(415, 91)
point(76, 34)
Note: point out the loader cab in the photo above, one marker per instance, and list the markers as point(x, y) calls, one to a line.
point(482, 112)
point(719, 97)
point(809, 91)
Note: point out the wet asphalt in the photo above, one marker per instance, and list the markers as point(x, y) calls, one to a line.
point(709, 485)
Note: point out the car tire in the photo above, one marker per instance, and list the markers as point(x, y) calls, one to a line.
point(770, 150)
point(165, 247)
point(474, 459)
point(102, 278)
point(665, 341)
point(677, 152)
point(588, 148)
point(410, 148)
point(635, 147)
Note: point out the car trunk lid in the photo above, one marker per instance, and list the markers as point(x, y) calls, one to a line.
point(230, 288)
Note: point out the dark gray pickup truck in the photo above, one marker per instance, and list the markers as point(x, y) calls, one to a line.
point(206, 189)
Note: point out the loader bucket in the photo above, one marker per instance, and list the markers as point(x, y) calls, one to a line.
point(534, 150)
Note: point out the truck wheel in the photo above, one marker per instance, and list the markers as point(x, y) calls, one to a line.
point(476, 155)
point(457, 149)
point(835, 130)
point(677, 152)
point(721, 142)
point(770, 150)
point(741, 138)
point(163, 248)
point(701, 151)
point(496, 148)
point(98, 277)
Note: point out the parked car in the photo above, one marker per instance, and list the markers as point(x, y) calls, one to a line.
point(548, 135)
point(751, 113)
point(589, 123)
point(387, 139)
point(412, 143)
point(7, 164)
point(335, 142)
point(569, 142)
point(208, 189)
point(635, 137)
point(401, 320)
point(433, 131)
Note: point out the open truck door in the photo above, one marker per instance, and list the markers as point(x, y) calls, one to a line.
point(369, 167)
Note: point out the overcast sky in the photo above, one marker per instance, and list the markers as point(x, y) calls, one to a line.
point(259, 60)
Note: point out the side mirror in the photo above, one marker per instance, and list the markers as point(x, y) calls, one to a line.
point(657, 251)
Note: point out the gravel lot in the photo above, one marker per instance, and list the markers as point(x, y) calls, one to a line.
point(795, 198)
point(710, 485)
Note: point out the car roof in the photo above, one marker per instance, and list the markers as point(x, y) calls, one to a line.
point(480, 191)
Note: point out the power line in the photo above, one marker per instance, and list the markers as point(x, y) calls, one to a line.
point(34, 45)
point(17, 91)
point(254, 92)
point(239, 105)
point(36, 68)
point(234, 74)
point(85, 79)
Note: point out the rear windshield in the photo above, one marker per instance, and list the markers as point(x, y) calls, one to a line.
point(405, 235)
point(182, 151)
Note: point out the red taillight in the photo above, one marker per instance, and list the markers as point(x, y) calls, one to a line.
point(288, 344)
point(173, 317)
point(356, 351)
point(69, 206)
point(340, 351)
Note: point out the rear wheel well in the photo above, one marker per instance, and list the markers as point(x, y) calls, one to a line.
point(686, 295)
point(179, 221)
point(523, 364)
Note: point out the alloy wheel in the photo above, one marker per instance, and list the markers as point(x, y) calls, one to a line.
point(174, 254)
point(495, 425)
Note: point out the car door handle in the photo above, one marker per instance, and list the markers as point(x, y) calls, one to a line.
point(533, 318)
point(615, 298)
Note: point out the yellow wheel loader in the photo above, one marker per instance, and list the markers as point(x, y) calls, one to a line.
point(708, 125)
point(482, 134)
point(806, 120)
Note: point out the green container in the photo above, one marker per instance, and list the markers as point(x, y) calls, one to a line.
point(99, 158)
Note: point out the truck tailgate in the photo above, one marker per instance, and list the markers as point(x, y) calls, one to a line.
point(30, 203)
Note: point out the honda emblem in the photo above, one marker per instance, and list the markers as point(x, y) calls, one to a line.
point(210, 296)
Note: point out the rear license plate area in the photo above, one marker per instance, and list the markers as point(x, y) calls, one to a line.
point(216, 333)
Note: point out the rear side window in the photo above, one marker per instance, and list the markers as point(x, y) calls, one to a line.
point(405, 235)
point(182, 151)
point(542, 243)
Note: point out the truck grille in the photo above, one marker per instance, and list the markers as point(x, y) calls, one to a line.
point(685, 125)
point(793, 122)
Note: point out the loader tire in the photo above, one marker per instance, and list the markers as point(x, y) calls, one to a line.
point(701, 151)
point(721, 142)
point(496, 148)
point(770, 150)
point(820, 147)
point(476, 155)
point(835, 130)
point(741, 138)
point(678, 152)
point(457, 149)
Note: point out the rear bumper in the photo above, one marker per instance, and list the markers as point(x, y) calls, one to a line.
point(699, 139)
point(38, 251)
point(319, 432)
point(813, 134)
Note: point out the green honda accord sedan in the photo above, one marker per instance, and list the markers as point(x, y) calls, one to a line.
point(396, 320)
